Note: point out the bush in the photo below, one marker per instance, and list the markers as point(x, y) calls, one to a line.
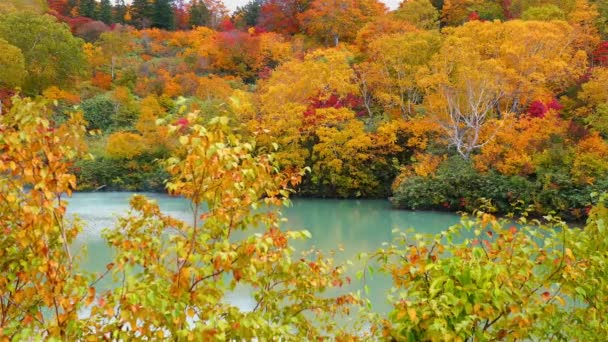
point(145, 174)
point(458, 186)
point(98, 111)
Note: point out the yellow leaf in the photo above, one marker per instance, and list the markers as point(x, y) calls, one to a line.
point(412, 314)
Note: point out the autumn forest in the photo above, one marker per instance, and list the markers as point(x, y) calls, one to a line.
point(495, 109)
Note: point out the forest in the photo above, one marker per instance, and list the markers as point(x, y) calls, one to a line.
point(497, 109)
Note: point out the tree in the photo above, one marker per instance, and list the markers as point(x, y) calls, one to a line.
point(141, 12)
point(420, 13)
point(545, 13)
point(248, 15)
point(52, 55)
point(176, 281)
point(42, 289)
point(163, 16)
point(281, 16)
point(395, 62)
point(333, 20)
point(105, 12)
point(12, 66)
point(88, 8)
point(463, 99)
point(114, 44)
point(487, 279)
point(120, 11)
point(199, 14)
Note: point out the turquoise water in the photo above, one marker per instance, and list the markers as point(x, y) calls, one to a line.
point(356, 225)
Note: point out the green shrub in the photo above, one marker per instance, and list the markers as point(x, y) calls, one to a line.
point(99, 111)
point(458, 186)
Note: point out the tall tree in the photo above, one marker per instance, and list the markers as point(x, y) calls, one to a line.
point(420, 13)
point(333, 20)
point(282, 15)
point(105, 11)
point(141, 12)
point(248, 15)
point(163, 16)
point(87, 8)
point(53, 56)
point(199, 14)
point(120, 10)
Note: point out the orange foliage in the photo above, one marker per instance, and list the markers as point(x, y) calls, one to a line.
point(102, 80)
point(516, 146)
point(54, 93)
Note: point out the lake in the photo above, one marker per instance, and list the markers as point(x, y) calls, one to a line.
point(356, 225)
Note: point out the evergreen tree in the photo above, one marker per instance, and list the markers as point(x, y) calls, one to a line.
point(163, 17)
point(141, 13)
point(120, 9)
point(87, 8)
point(105, 12)
point(247, 16)
point(199, 14)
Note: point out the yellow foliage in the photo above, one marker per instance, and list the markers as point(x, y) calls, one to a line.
point(591, 159)
point(427, 164)
point(213, 87)
point(54, 93)
point(515, 147)
point(125, 145)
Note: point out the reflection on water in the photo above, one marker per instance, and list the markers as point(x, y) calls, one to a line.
point(356, 225)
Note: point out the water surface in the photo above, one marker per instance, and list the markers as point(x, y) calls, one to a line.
point(356, 225)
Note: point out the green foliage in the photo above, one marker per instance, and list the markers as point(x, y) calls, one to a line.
point(99, 111)
point(544, 13)
point(12, 65)
point(458, 186)
point(176, 277)
point(107, 174)
point(420, 13)
point(486, 279)
point(52, 55)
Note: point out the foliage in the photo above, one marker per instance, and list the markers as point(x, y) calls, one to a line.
point(98, 111)
point(545, 13)
point(12, 65)
point(456, 185)
point(52, 55)
point(177, 285)
point(41, 290)
point(420, 13)
point(333, 20)
point(487, 279)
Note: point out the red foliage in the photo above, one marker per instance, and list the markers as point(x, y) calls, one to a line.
point(182, 122)
point(600, 55)
point(539, 109)
point(60, 7)
point(506, 9)
point(182, 15)
point(555, 105)
point(265, 73)
point(334, 101)
point(281, 16)
point(473, 16)
point(73, 23)
point(226, 25)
